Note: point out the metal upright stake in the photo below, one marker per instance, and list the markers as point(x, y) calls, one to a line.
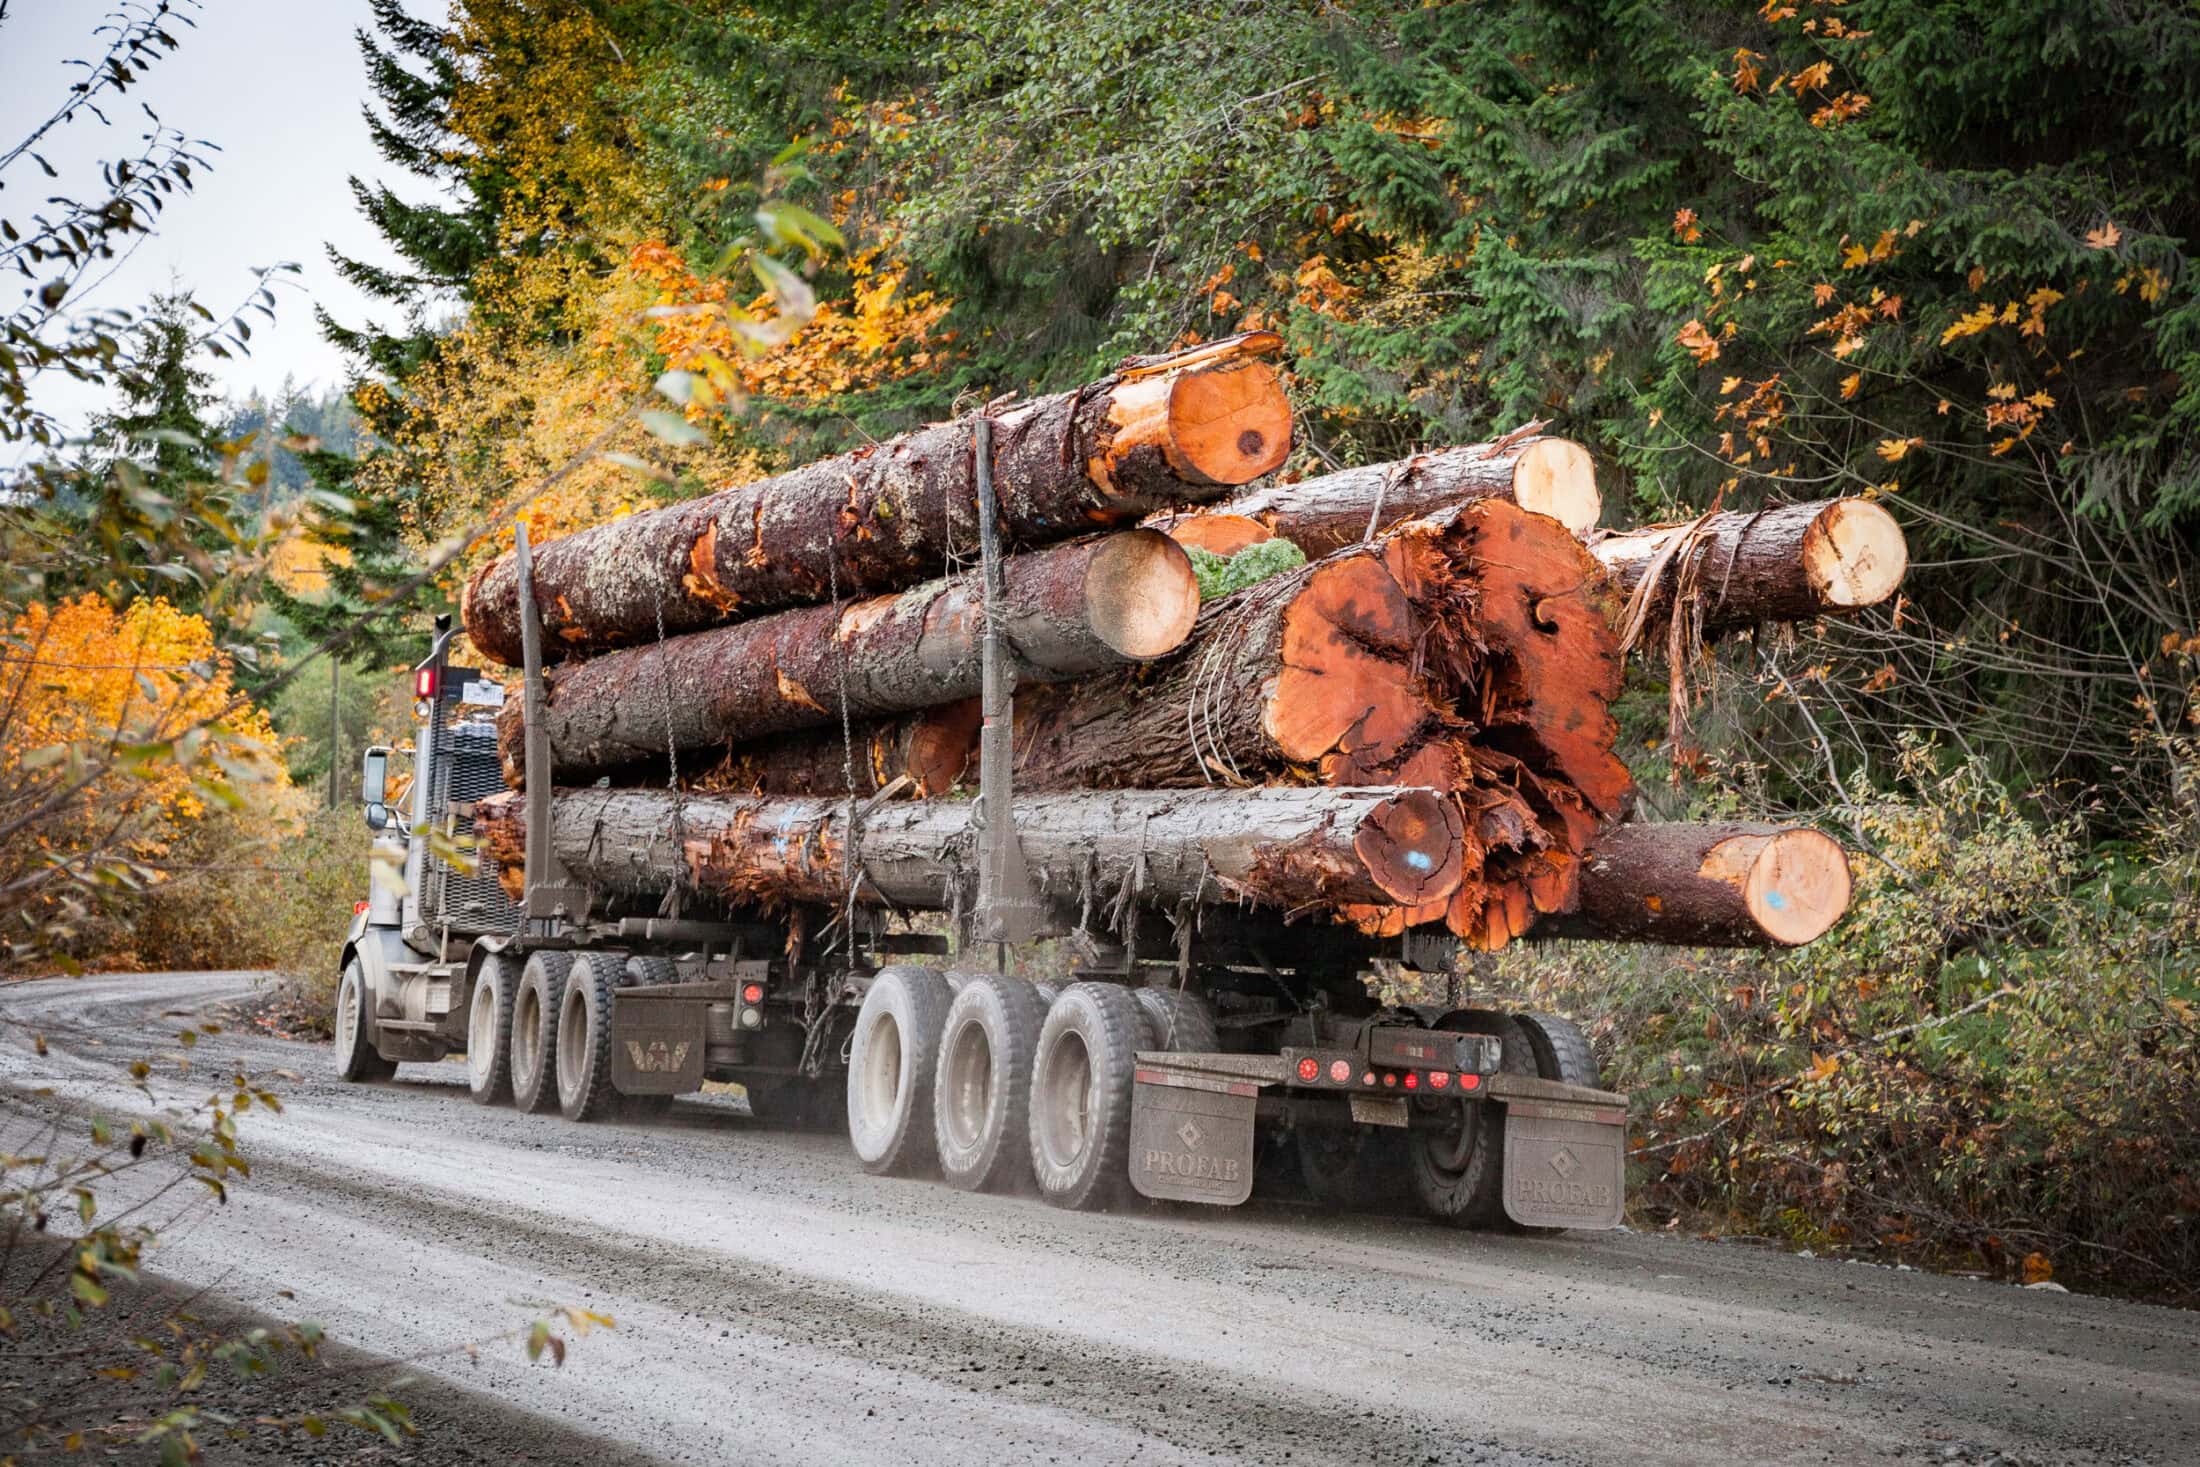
point(550, 893)
point(1007, 910)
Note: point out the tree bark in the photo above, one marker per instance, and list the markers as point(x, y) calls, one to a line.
point(1158, 434)
point(932, 748)
point(1790, 563)
point(1713, 884)
point(1091, 854)
point(1548, 476)
point(1072, 610)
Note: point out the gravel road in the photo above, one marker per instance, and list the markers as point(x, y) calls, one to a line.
point(774, 1304)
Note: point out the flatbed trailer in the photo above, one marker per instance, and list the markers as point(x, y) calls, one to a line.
point(1190, 1049)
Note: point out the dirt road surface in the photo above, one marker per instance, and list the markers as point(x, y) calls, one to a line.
point(775, 1304)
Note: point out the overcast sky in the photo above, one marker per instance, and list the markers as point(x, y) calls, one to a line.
point(278, 85)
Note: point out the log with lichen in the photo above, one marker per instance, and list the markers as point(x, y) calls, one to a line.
point(1158, 434)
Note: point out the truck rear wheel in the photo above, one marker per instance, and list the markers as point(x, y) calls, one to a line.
point(356, 1057)
point(1459, 1164)
point(585, 1092)
point(1561, 1050)
point(981, 1099)
point(535, 1030)
point(489, 1030)
point(1081, 1089)
point(1178, 1022)
point(891, 1061)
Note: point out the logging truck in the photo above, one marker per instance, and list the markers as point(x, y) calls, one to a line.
point(720, 829)
point(1180, 1050)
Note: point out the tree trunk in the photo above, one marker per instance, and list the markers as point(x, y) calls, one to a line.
point(1714, 884)
point(1468, 652)
point(1158, 434)
point(1791, 563)
point(1072, 610)
point(1091, 854)
point(1549, 476)
point(932, 748)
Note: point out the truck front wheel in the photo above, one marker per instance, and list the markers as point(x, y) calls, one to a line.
point(356, 1057)
point(535, 1030)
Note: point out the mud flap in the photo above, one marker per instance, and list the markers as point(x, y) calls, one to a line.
point(656, 1044)
point(1192, 1137)
point(1565, 1165)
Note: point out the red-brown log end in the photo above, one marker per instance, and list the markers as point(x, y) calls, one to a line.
point(1414, 846)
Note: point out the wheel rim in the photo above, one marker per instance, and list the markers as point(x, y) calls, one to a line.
point(1450, 1149)
point(526, 1035)
point(572, 1037)
point(1067, 1125)
point(347, 1019)
point(881, 1085)
point(481, 1032)
point(969, 1072)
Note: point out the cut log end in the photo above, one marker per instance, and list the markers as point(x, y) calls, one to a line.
point(1217, 534)
point(1854, 554)
point(1227, 424)
point(1556, 477)
point(1794, 883)
point(1141, 596)
point(1414, 846)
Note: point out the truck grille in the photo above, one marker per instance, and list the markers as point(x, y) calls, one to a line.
point(466, 770)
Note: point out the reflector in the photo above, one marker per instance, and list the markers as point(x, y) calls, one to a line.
point(1310, 1069)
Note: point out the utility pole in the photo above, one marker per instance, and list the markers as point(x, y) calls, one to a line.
point(335, 725)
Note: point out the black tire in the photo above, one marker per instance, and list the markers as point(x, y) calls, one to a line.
point(489, 1030)
point(891, 1059)
point(535, 1031)
point(649, 972)
point(1081, 1089)
point(981, 1098)
point(1561, 1051)
point(357, 1060)
point(585, 1092)
point(1179, 1022)
point(1353, 1168)
point(1458, 1169)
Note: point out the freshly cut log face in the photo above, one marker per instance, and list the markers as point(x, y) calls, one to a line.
point(1712, 884)
point(932, 749)
point(1547, 476)
point(1790, 563)
point(1470, 652)
point(1072, 609)
point(1161, 433)
point(1091, 852)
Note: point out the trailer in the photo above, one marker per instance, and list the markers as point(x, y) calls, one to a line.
point(1175, 1053)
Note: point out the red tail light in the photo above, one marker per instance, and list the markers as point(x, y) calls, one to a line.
point(1368, 1078)
point(753, 993)
point(357, 908)
point(1310, 1069)
point(1390, 1081)
point(1470, 1082)
point(1439, 1079)
point(1413, 1080)
point(425, 682)
point(1340, 1071)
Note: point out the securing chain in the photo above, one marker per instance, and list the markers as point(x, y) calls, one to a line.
point(670, 907)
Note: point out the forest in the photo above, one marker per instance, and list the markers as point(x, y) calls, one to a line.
point(1934, 255)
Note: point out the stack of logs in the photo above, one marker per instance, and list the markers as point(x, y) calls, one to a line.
point(1411, 729)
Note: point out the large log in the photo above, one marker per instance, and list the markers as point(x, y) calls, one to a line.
point(1711, 884)
point(1158, 434)
point(1072, 610)
point(1469, 651)
point(1550, 476)
point(1091, 854)
point(1789, 563)
point(932, 749)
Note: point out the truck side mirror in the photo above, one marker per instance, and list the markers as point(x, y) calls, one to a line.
point(374, 776)
point(374, 787)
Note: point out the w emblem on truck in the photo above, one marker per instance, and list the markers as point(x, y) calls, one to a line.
point(656, 1057)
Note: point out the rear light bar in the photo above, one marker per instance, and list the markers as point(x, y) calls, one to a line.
point(427, 681)
point(1346, 1070)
